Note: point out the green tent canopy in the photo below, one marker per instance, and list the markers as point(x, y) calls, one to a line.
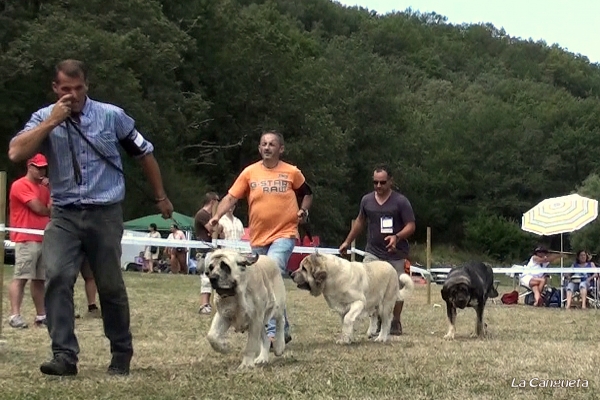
point(184, 222)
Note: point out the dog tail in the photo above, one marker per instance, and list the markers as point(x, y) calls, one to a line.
point(406, 285)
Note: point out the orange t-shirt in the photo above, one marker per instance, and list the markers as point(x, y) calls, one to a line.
point(22, 191)
point(272, 202)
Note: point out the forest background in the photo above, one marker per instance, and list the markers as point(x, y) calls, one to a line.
point(478, 126)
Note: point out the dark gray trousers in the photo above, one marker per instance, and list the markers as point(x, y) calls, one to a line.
point(94, 232)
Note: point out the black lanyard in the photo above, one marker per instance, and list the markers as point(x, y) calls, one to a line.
point(74, 162)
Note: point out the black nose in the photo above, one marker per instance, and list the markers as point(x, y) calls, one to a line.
point(214, 280)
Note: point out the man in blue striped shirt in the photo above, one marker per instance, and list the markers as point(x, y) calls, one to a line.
point(80, 138)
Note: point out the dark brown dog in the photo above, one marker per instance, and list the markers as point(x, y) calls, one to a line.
point(469, 286)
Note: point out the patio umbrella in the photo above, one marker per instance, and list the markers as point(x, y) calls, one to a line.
point(558, 215)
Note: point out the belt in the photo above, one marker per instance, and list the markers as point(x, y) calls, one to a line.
point(81, 207)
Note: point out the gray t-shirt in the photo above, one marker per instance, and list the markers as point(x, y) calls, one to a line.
point(386, 219)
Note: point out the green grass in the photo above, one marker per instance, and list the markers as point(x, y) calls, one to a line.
point(174, 361)
point(444, 255)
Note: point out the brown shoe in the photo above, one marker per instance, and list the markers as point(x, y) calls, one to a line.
point(396, 328)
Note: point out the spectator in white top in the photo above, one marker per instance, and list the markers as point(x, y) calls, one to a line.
point(233, 229)
point(178, 254)
point(537, 280)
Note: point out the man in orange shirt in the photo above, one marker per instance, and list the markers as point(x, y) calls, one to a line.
point(271, 187)
point(29, 202)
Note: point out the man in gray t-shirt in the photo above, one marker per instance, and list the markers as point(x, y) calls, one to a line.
point(390, 220)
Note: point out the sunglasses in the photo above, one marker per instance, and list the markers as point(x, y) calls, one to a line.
point(379, 183)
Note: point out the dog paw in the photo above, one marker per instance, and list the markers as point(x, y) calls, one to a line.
point(246, 364)
point(219, 346)
point(381, 339)
point(260, 360)
point(344, 340)
point(449, 336)
point(278, 348)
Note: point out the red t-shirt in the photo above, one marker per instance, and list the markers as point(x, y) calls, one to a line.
point(23, 191)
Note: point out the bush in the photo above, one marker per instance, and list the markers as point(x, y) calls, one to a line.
point(499, 238)
point(586, 238)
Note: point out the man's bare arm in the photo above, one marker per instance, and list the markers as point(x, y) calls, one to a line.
point(37, 207)
point(359, 224)
point(152, 172)
point(226, 203)
point(26, 144)
point(407, 231)
point(306, 202)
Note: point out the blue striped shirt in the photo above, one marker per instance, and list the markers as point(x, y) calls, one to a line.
point(104, 125)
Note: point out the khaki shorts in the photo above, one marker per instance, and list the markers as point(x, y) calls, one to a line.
point(397, 264)
point(28, 261)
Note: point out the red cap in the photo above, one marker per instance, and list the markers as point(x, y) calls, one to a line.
point(38, 160)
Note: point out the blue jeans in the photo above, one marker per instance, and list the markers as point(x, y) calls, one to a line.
point(280, 250)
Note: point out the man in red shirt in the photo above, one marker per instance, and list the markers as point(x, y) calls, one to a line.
point(29, 202)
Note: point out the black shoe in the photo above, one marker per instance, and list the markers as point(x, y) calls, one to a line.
point(119, 365)
point(396, 328)
point(58, 366)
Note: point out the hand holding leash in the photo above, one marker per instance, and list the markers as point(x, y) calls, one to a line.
point(343, 248)
point(302, 216)
point(165, 207)
point(213, 221)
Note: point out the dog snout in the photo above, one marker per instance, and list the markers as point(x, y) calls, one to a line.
point(214, 281)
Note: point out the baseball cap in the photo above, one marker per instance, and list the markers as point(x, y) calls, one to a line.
point(38, 160)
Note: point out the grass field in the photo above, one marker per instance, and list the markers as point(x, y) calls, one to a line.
point(174, 361)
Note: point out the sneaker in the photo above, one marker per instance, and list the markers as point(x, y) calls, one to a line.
point(94, 311)
point(119, 365)
point(206, 309)
point(16, 321)
point(40, 322)
point(58, 366)
point(396, 328)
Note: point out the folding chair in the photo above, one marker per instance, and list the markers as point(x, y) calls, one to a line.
point(592, 296)
point(524, 290)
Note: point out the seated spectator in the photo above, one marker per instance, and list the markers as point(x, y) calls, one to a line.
point(580, 280)
point(536, 281)
point(139, 259)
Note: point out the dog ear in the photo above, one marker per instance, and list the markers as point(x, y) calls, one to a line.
point(246, 260)
point(320, 276)
point(318, 272)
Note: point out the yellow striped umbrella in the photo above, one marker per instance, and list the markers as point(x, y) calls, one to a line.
point(560, 215)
